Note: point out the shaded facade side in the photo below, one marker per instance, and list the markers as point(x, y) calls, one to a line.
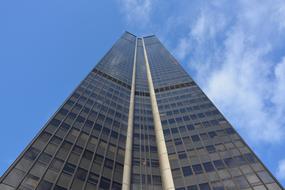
point(83, 144)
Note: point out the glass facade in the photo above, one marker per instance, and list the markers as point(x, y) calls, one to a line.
point(83, 145)
point(145, 164)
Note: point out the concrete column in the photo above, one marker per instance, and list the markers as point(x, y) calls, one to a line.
point(165, 170)
point(129, 141)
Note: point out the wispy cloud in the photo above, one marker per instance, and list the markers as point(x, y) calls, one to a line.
point(281, 170)
point(235, 51)
point(233, 59)
point(136, 11)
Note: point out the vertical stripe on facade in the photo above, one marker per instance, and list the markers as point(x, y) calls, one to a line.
point(129, 141)
point(165, 170)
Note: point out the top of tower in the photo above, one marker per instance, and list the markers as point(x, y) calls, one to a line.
point(147, 36)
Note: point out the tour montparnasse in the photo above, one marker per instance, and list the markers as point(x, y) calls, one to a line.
point(138, 121)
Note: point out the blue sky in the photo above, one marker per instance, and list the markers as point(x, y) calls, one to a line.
point(234, 50)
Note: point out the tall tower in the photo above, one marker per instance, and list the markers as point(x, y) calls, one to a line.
point(138, 121)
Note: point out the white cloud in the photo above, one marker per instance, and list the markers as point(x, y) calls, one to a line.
point(281, 170)
point(279, 92)
point(208, 24)
point(182, 49)
point(230, 58)
point(136, 11)
point(231, 50)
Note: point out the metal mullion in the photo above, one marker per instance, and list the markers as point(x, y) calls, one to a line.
point(141, 124)
point(53, 156)
point(115, 157)
point(248, 164)
point(144, 144)
point(102, 167)
point(93, 156)
point(203, 144)
point(149, 152)
point(38, 134)
point(166, 173)
point(30, 145)
point(84, 148)
point(176, 153)
point(74, 143)
point(220, 157)
point(144, 134)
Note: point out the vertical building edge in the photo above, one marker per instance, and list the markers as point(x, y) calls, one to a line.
point(129, 141)
point(166, 175)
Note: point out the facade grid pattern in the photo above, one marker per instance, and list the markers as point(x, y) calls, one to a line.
point(83, 145)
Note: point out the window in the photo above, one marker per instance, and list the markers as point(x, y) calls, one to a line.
point(171, 121)
point(64, 149)
point(241, 182)
point(176, 173)
point(69, 168)
point(195, 138)
point(44, 137)
point(32, 153)
point(87, 154)
point(230, 162)
point(182, 156)
point(57, 187)
point(63, 111)
point(239, 160)
point(44, 158)
point(208, 166)
point(212, 134)
point(250, 157)
point(178, 141)
point(82, 139)
point(204, 136)
point(135, 178)
point(14, 177)
point(219, 164)
point(44, 185)
point(204, 186)
point(55, 140)
point(156, 180)
point(116, 186)
point(174, 130)
point(197, 169)
point(211, 149)
point(230, 131)
point(265, 177)
point(54, 122)
point(56, 164)
point(114, 134)
point(104, 183)
point(93, 178)
point(190, 127)
point(73, 134)
point(81, 174)
point(31, 181)
point(78, 150)
point(253, 179)
point(192, 187)
point(108, 163)
point(187, 171)
point(98, 159)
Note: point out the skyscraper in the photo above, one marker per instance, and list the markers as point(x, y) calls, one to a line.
point(138, 121)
